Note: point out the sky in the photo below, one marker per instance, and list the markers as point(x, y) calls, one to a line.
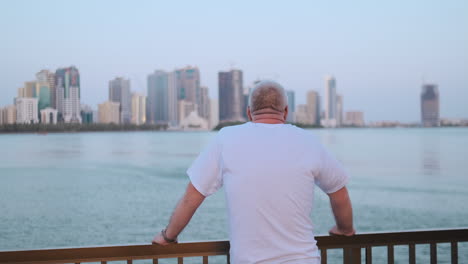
point(380, 52)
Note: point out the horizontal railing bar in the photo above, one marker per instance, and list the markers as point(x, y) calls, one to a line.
point(394, 238)
point(194, 249)
point(114, 253)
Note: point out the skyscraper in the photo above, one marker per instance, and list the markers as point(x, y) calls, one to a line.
point(67, 82)
point(430, 105)
point(30, 89)
point(46, 78)
point(230, 96)
point(204, 106)
point(291, 106)
point(138, 109)
point(188, 84)
point(339, 110)
point(330, 102)
point(158, 98)
point(119, 91)
point(313, 108)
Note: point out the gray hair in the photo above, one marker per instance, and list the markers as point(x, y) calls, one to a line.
point(268, 94)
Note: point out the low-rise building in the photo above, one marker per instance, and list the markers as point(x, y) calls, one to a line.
point(49, 116)
point(27, 110)
point(354, 118)
point(109, 112)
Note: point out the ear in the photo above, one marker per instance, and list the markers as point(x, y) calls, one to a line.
point(249, 114)
point(286, 110)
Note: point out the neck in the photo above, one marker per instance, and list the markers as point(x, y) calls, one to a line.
point(268, 116)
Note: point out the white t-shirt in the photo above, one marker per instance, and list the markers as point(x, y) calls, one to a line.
point(268, 172)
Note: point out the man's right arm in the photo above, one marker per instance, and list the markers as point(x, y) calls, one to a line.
point(343, 212)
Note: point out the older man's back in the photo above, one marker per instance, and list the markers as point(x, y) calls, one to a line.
point(269, 172)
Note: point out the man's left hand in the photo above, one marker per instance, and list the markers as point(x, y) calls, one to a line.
point(159, 239)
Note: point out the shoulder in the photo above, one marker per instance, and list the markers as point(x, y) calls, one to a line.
point(229, 130)
point(305, 134)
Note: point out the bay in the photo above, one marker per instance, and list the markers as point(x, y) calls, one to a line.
point(113, 188)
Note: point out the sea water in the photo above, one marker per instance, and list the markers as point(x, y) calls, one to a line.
point(118, 188)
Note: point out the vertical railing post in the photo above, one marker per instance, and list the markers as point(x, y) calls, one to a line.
point(352, 255)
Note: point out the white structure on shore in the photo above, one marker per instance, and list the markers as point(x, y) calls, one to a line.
point(49, 116)
point(193, 122)
point(26, 110)
point(109, 112)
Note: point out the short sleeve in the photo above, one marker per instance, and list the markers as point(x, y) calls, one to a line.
point(205, 171)
point(331, 176)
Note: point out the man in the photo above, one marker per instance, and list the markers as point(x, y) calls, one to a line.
point(268, 169)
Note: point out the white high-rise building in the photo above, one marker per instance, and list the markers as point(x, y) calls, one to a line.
point(67, 84)
point(109, 112)
point(26, 110)
point(138, 109)
point(330, 102)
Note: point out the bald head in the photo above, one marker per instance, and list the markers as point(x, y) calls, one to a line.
point(268, 95)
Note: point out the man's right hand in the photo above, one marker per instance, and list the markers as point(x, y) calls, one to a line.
point(335, 231)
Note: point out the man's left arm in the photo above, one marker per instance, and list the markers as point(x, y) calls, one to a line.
point(181, 216)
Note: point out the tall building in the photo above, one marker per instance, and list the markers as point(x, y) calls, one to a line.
point(330, 102)
point(67, 81)
point(231, 96)
point(119, 92)
point(26, 110)
point(109, 113)
point(188, 84)
point(430, 105)
point(49, 116)
point(204, 106)
point(48, 78)
point(354, 118)
point(43, 93)
point(291, 106)
point(339, 110)
point(214, 113)
point(158, 98)
point(313, 108)
point(30, 90)
point(21, 92)
point(138, 109)
point(1, 116)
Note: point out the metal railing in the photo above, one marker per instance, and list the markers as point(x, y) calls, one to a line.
point(352, 247)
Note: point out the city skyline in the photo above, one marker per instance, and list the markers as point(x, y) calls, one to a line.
point(381, 53)
point(233, 94)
